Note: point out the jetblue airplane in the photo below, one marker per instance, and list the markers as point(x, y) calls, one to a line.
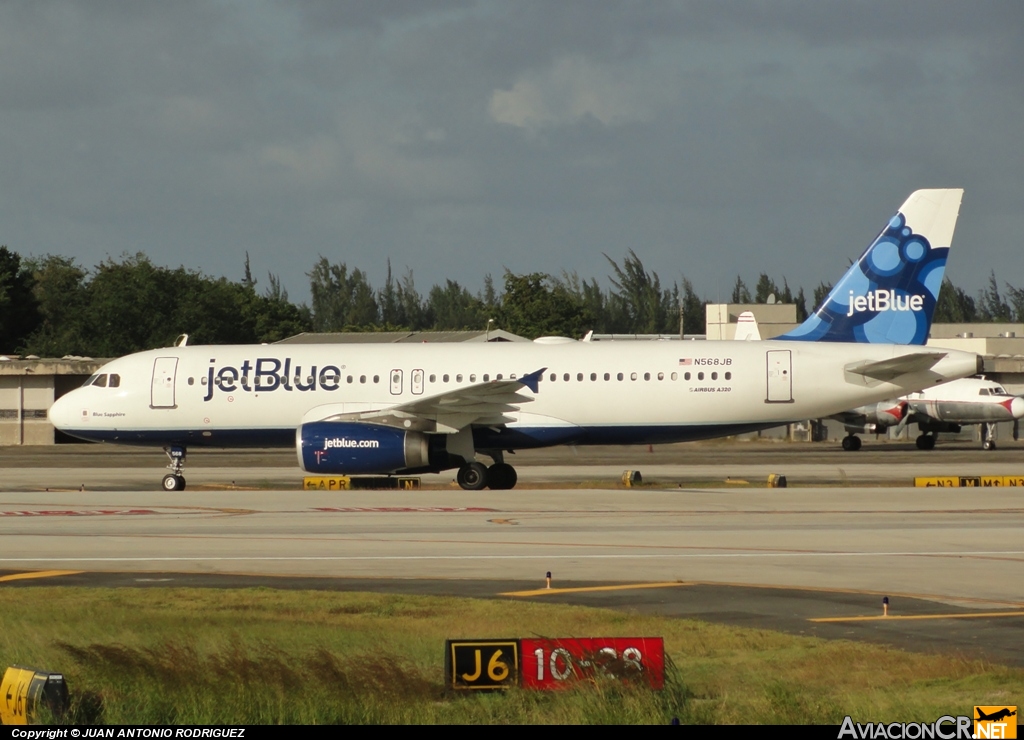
point(372, 409)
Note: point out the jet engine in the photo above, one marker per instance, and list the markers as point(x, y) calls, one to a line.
point(359, 448)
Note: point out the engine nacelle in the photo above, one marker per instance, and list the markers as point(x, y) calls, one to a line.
point(358, 448)
point(884, 414)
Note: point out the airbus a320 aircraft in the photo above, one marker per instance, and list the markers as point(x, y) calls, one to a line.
point(372, 409)
point(942, 409)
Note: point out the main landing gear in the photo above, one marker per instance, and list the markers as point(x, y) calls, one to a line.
point(851, 442)
point(175, 481)
point(475, 476)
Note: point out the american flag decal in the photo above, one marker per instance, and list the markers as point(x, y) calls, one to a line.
point(685, 361)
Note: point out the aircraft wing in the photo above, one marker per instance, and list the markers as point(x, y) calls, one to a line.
point(886, 370)
point(452, 411)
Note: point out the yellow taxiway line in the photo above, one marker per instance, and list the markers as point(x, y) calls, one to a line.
point(39, 574)
point(583, 589)
point(974, 615)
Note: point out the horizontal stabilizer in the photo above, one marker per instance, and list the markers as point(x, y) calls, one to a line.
point(886, 370)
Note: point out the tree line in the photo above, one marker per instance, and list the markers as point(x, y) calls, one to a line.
point(51, 306)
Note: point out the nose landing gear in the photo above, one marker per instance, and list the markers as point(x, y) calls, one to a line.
point(175, 481)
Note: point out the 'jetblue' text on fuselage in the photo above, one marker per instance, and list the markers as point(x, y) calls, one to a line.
point(266, 374)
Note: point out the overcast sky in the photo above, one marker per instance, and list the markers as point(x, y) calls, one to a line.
point(461, 137)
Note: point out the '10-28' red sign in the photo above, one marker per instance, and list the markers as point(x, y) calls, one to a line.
point(552, 664)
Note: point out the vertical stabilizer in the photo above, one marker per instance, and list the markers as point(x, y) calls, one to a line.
point(888, 296)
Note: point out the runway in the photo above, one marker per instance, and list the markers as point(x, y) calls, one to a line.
point(835, 551)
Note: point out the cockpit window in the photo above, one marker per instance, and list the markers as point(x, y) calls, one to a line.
point(999, 391)
point(91, 379)
point(115, 381)
point(101, 381)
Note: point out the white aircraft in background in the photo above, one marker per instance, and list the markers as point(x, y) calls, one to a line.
point(945, 408)
point(373, 409)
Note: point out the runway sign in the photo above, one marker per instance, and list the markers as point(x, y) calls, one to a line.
point(25, 691)
point(347, 483)
point(554, 664)
point(481, 664)
point(969, 481)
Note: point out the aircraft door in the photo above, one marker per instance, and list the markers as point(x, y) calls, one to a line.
point(780, 376)
point(162, 395)
point(396, 382)
point(417, 382)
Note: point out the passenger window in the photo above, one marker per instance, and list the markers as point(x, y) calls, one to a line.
point(499, 376)
point(472, 378)
point(607, 376)
point(445, 377)
point(458, 378)
point(619, 376)
point(647, 376)
point(714, 376)
point(632, 376)
point(191, 381)
point(362, 378)
point(565, 377)
point(686, 376)
point(512, 376)
point(553, 376)
point(728, 376)
point(675, 376)
point(349, 379)
point(700, 376)
point(433, 378)
point(593, 377)
point(376, 378)
point(661, 376)
point(202, 381)
point(486, 377)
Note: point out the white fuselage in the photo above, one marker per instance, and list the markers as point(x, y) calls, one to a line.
point(591, 392)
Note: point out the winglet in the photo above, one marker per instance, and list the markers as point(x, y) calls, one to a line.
point(532, 380)
point(888, 296)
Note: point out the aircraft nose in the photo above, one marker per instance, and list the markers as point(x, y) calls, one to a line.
point(64, 412)
point(1016, 407)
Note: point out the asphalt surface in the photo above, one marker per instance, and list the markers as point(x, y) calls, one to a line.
point(949, 560)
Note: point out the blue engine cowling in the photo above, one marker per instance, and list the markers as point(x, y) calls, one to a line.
point(358, 448)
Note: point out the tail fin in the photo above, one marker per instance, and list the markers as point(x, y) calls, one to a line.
point(746, 327)
point(888, 296)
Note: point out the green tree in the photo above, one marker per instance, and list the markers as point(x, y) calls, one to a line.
point(453, 307)
point(19, 309)
point(766, 287)
point(991, 305)
point(740, 293)
point(954, 305)
point(535, 305)
point(342, 300)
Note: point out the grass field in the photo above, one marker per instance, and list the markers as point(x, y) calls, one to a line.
point(262, 656)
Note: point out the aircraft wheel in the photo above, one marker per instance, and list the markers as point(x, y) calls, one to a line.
point(925, 442)
point(174, 483)
point(988, 444)
point(851, 443)
point(501, 477)
point(472, 476)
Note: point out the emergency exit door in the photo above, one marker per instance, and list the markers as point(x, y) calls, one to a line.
point(162, 395)
point(780, 376)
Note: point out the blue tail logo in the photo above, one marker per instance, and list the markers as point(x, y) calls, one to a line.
point(888, 296)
